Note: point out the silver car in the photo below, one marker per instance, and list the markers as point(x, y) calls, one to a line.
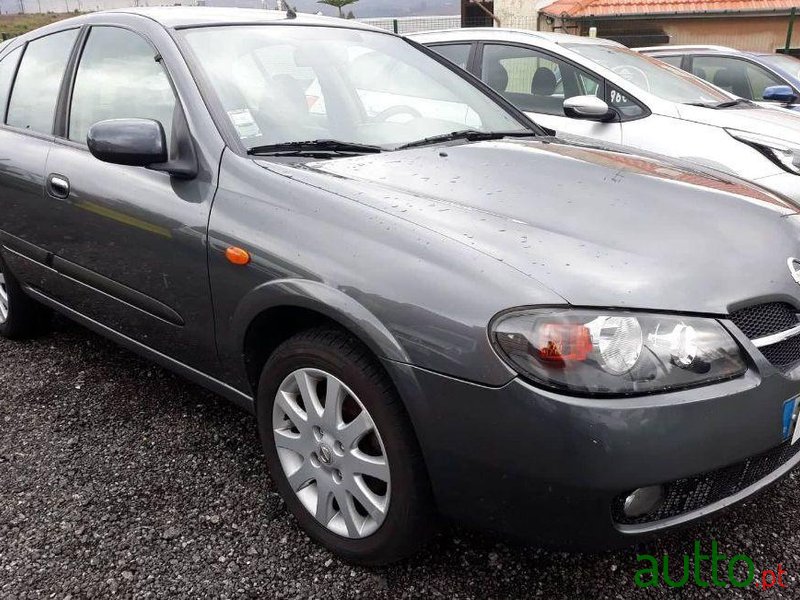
point(599, 89)
point(770, 79)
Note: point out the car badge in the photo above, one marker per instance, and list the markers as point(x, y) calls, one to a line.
point(794, 268)
point(325, 454)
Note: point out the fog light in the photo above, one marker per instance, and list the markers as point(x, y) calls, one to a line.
point(642, 501)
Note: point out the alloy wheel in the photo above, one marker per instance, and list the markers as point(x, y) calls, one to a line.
point(4, 306)
point(331, 453)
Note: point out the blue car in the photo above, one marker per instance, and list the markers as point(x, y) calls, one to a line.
point(769, 79)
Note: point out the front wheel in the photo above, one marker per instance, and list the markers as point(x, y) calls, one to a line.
point(341, 450)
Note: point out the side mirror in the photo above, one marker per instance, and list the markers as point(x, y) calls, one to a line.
point(780, 93)
point(132, 142)
point(589, 108)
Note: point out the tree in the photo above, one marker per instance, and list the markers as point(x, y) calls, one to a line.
point(338, 4)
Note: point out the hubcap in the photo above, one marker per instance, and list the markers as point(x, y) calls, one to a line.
point(3, 299)
point(331, 453)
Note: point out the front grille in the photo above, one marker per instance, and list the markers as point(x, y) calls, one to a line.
point(693, 493)
point(783, 354)
point(766, 319)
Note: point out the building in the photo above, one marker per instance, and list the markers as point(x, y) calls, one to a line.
point(757, 25)
point(521, 14)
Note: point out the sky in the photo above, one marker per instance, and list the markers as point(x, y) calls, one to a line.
point(362, 9)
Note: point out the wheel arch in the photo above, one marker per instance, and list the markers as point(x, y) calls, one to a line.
point(274, 311)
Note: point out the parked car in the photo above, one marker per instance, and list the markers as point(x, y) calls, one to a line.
point(772, 79)
point(599, 89)
point(474, 319)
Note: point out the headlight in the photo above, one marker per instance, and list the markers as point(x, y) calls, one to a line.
point(611, 353)
point(785, 154)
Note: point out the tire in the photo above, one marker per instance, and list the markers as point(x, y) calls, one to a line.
point(329, 460)
point(20, 315)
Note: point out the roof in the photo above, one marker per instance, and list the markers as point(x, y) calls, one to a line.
point(685, 49)
point(197, 16)
point(504, 34)
point(580, 9)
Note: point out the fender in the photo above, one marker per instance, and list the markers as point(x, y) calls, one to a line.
point(311, 295)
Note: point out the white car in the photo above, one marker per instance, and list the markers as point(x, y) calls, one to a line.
point(599, 89)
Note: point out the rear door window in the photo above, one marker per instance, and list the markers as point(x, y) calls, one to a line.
point(675, 61)
point(457, 54)
point(35, 93)
point(7, 68)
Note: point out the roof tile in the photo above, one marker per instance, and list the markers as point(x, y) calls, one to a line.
point(589, 8)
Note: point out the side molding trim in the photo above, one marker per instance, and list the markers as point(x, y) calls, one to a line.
point(242, 400)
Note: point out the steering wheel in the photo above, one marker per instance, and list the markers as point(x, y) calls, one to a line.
point(393, 111)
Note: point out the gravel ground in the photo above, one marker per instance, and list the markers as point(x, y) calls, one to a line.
point(119, 479)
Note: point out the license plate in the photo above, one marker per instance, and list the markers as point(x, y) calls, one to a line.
point(791, 408)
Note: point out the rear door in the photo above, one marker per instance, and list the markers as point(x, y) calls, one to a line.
point(537, 83)
point(131, 241)
point(30, 80)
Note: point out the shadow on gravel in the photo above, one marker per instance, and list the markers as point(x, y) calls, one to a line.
point(119, 478)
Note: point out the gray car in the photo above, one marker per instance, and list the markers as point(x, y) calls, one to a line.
point(432, 307)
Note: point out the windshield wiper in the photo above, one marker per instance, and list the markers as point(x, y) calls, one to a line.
point(467, 134)
point(731, 103)
point(314, 147)
point(716, 105)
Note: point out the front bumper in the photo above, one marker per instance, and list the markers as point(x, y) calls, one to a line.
point(527, 462)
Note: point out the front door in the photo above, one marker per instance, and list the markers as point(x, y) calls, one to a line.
point(131, 241)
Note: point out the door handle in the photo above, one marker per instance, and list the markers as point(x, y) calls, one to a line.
point(58, 186)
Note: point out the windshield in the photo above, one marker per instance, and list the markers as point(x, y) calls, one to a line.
point(652, 75)
point(788, 63)
point(282, 84)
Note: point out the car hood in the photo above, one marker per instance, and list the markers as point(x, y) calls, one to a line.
point(774, 122)
point(594, 226)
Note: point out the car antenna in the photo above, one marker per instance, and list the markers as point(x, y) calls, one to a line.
point(290, 12)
